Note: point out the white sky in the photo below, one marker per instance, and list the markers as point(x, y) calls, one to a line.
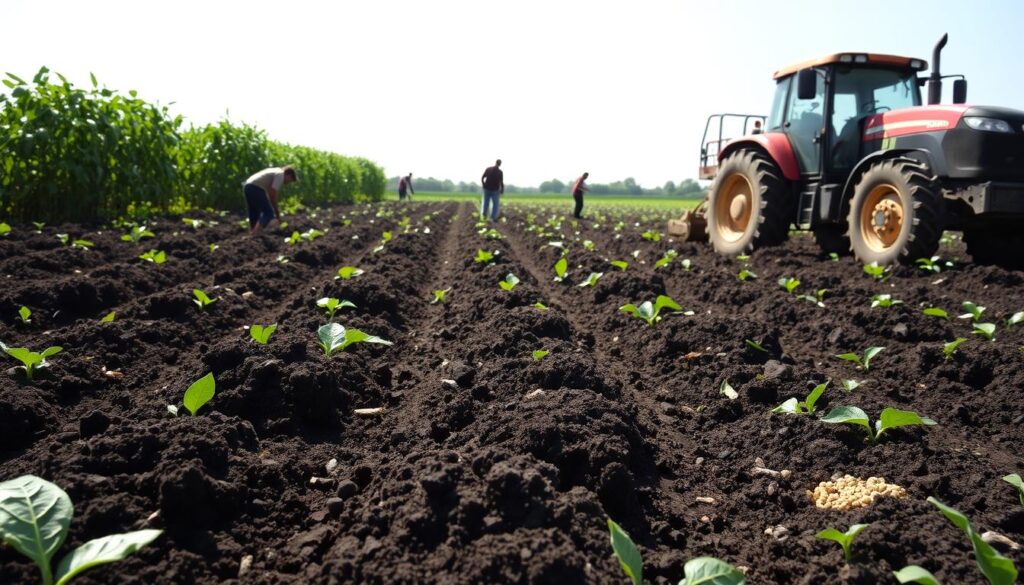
point(442, 87)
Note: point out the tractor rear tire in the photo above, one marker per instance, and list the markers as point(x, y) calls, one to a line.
point(995, 246)
point(749, 205)
point(896, 214)
point(832, 239)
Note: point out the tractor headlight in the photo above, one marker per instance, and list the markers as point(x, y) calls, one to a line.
point(988, 124)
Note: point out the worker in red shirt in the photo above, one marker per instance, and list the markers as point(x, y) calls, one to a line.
point(579, 187)
point(405, 184)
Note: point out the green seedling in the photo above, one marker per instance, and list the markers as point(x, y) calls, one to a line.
point(620, 264)
point(986, 330)
point(915, 574)
point(331, 305)
point(755, 345)
point(64, 239)
point(154, 256)
point(996, 568)
point(651, 236)
point(1015, 319)
point(796, 406)
point(198, 223)
point(666, 259)
point(39, 225)
point(948, 349)
point(933, 264)
point(879, 273)
point(627, 554)
point(1015, 480)
point(972, 311)
point(539, 306)
point(592, 279)
point(589, 246)
point(201, 299)
point(24, 313)
point(849, 385)
point(936, 312)
point(560, 269)
point(726, 389)
point(745, 274)
point(833, 256)
point(651, 312)
point(890, 418)
point(348, 272)
point(483, 257)
point(35, 516)
point(136, 234)
point(789, 284)
point(687, 264)
point(865, 362)
point(261, 334)
point(199, 393)
point(282, 259)
point(884, 301)
point(214, 248)
point(510, 282)
point(5, 229)
point(489, 233)
point(540, 354)
point(311, 234)
point(439, 296)
point(845, 539)
point(817, 298)
point(333, 337)
point(109, 317)
point(293, 239)
point(711, 571)
point(29, 359)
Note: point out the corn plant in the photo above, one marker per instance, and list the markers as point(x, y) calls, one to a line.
point(440, 296)
point(331, 305)
point(996, 568)
point(591, 279)
point(333, 337)
point(30, 360)
point(201, 299)
point(915, 574)
point(863, 362)
point(154, 256)
point(1016, 481)
point(348, 272)
point(806, 406)
point(137, 233)
point(510, 281)
point(651, 312)
point(24, 313)
point(890, 418)
point(35, 516)
point(972, 311)
point(620, 264)
point(560, 269)
point(986, 330)
point(261, 334)
point(844, 539)
point(948, 349)
point(884, 301)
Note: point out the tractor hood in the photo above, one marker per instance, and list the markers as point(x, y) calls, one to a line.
point(912, 121)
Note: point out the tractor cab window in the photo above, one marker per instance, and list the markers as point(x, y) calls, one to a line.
point(859, 93)
point(779, 104)
point(804, 123)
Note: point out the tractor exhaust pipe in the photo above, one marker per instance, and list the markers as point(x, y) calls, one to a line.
point(935, 79)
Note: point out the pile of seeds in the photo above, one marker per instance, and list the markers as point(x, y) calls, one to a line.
point(849, 492)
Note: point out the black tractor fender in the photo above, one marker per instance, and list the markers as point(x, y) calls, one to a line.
point(838, 212)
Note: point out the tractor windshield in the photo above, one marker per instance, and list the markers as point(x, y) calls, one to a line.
point(860, 92)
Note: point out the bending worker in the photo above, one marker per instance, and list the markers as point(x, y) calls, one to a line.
point(261, 192)
point(579, 187)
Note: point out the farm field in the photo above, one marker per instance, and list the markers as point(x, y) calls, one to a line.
point(459, 454)
point(675, 204)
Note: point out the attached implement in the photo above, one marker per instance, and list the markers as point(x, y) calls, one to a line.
point(850, 153)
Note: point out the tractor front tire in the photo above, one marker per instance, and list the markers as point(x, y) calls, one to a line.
point(896, 214)
point(749, 205)
point(1000, 247)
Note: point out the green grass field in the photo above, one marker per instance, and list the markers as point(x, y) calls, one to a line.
point(562, 198)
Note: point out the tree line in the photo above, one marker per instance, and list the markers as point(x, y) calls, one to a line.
point(628, 186)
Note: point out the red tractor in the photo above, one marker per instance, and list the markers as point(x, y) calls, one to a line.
point(850, 153)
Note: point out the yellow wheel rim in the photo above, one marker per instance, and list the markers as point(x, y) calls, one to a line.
point(734, 204)
point(881, 217)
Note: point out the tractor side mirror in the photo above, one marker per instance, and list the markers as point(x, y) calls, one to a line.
point(959, 91)
point(806, 84)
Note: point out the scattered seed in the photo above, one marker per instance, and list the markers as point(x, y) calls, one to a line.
point(244, 565)
point(705, 500)
point(369, 411)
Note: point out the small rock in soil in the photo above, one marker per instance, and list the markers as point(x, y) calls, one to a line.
point(331, 465)
point(335, 506)
point(347, 489)
point(900, 331)
point(775, 369)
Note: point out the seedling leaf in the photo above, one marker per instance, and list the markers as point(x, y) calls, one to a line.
point(560, 269)
point(540, 306)
point(948, 349)
point(986, 330)
point(845, 539)
point(892, 418)
point(850, 385)
point(711, 571)
point(201, 299)
point(626, 552)
point(99, 551)
point(34, 519)
point(592, 279)
point(24, 312)
point(936, 312)
point(621, 265)
point(727, 389)
point(439, 296)
point(540, 354)
point(261, 334)
point(109, 317)
point(850, 415)
point(510, 282)
point(1015, 318)
point(1015, 480)
point(915, 574)
point(998, 569)
point(755, 345)
point(347, 272)
point(199, 393)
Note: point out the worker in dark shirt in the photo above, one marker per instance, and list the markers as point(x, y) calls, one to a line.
point(405, 185)
point(579, 187)
point(494, 185)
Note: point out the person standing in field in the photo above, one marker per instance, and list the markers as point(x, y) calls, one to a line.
point(494, 185)
point(405, 187)
point(261, 192)
point(579, 187)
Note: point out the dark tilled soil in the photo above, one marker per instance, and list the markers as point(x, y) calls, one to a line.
point(469, 474)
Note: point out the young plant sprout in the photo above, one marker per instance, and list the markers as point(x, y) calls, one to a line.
point(1015, 480)
point(136, 234)
point(30, 360)
point(592, 279)
point(884, 301)
point(651, 312)
point(35, 516)
point(24, 313)
point(5, 229)
point(936, 312)
point(933, 264)
point(333, 337)
point(39, 225)
point(331, 305)
point(510, 282)
point(1015, 319)
point(865, 362)
point(560, 269)
point(651, 236)
point(483, 257)
point(879, 273)
point(539, 306)
point(745, 274)
point(754, 345)
point(154, 256)
point(109, 317)
point(687, 264)
point(789, 284)
point(849, 385)
point(439, 296)
point(214, 247)
point(620, 264)
point(261, 334)
point(726, 389)
point(816, 298)
point(890, 418)
point(996, 568)
point(626, 552)
point(973, 311)
point(833, 256)
point(806, 406)
point(666, 259)
point(540, 354)
point(348, 272)
point(711, 571)
point(948, 349)
point(845, 539)
point(986, 330)
point(915, 574)
point(588, 245)
point(201, 299)
point(199, 393)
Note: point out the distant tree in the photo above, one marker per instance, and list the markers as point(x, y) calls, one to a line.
point(669, 188)
point(689, 188)
point(552, 186)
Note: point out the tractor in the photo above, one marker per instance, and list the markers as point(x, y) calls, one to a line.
point(849, 153)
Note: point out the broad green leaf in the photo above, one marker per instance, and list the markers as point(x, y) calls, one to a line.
point(915, 574)
point(34, 518)
point(790, 406)
point(1015, 480)
point(711, 571)
point(998, 569)
point(936, 312)
point(52, 351)
point(357, 336)
point(560, 268)
point(4, 229)
point(848, 415)
point(510, 282)
point(986, 330)
point(1015, 318)
point(99, 551)
point(973, 311)
point(646, 310)
point(24, 313)
point(950, 348)
point(813, 397)
point(540, 354)
point(262, 334)
point(347, 272)
point(845, 539)
point(201, 298)
point(850, 357)
point(870, 353)
point(727, 389)
point(892, 418)
point(199, 393)
point(665, 302)
point(331, 336)
point(626, 552)
point(619, 264)
point(26, 356)
point(592, 279)
point(109, 317)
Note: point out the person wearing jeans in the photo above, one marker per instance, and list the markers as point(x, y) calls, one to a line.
point(494, 185)
point(261, 192)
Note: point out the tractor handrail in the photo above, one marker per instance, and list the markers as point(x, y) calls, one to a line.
point(709, 158)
